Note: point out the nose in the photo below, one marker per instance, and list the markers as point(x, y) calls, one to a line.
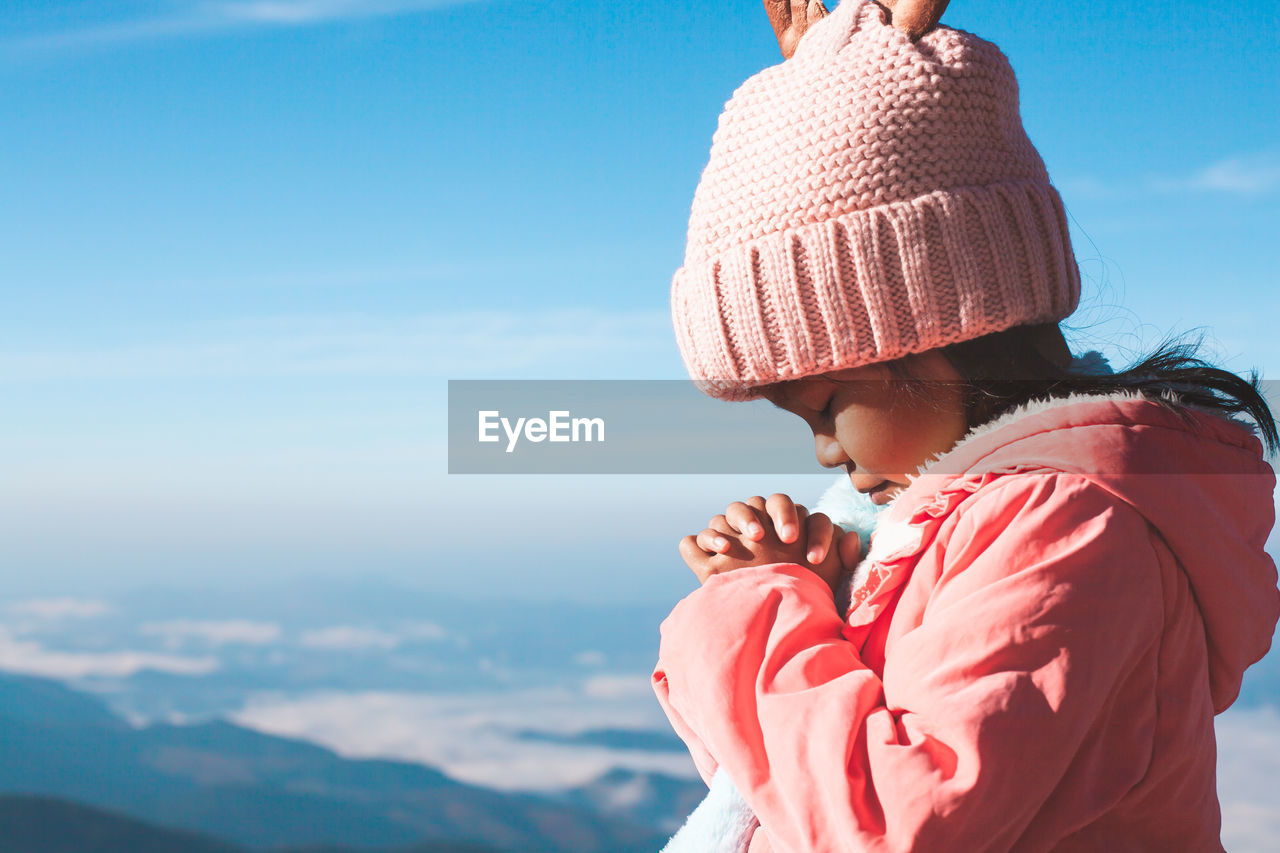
point(829, 452)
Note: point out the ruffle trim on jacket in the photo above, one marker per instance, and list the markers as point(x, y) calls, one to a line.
point(897, 542)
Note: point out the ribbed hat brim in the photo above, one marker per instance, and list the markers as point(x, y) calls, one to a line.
point(875, 285)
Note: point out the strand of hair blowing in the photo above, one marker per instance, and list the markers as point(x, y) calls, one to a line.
point(1006, 369)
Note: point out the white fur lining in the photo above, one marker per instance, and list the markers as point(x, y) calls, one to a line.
point(1043, 404)
point(1030, 407)
point(722, 822)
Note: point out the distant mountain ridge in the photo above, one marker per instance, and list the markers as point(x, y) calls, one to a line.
point(257, 790)
point(33, 824)
point(647, 741)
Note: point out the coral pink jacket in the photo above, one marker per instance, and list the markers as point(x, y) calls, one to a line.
point(1045, 625)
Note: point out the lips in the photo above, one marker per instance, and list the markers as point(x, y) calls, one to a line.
point(880, 497)
point(879, 493)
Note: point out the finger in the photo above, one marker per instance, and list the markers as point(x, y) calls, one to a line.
point(804, 14)
point(747, 519)
point(695, 558)
point(915, 17)
point(816, 12)
point(779, 12)
point(785, 515)
point(802, 520)
point(850, 550)
point(820, 531)
point(720, 524)
point(799, 14)
point(713, 541)
point(790, 19)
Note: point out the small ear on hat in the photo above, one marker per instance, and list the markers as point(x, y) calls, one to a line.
point(790, 19)
point(914, 17)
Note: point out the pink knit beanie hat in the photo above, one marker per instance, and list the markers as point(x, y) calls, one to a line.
point(869, 198)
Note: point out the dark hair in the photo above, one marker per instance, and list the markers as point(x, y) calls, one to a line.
point(1006, 369)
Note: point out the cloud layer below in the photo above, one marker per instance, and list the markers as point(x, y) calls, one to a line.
point(30, 657)
point(475, 737)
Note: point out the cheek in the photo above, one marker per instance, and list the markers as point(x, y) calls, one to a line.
point(873, 439)
point(893, 442)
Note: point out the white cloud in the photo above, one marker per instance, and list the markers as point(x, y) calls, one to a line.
point(1257, 173)
point(215, 633)
point(1249, 174)
point(348, 638)
point(628, 795)
point(472, 737)
point(294, 12)
point(423, 631)
point(210, 16)
point(589, 657)
point(59, 608)
point(32, 658)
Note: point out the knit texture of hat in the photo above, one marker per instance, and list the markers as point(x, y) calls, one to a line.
point(869, 198)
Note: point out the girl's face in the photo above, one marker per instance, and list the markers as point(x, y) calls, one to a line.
point(867, 422)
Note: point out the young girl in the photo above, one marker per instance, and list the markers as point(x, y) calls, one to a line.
point(1067, 580)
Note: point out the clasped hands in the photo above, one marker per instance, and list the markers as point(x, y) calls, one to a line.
point(759, 531)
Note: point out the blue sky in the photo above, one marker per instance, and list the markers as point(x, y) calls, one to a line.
point(247, 242)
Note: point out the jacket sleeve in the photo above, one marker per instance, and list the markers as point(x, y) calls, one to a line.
point(1048, 599)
